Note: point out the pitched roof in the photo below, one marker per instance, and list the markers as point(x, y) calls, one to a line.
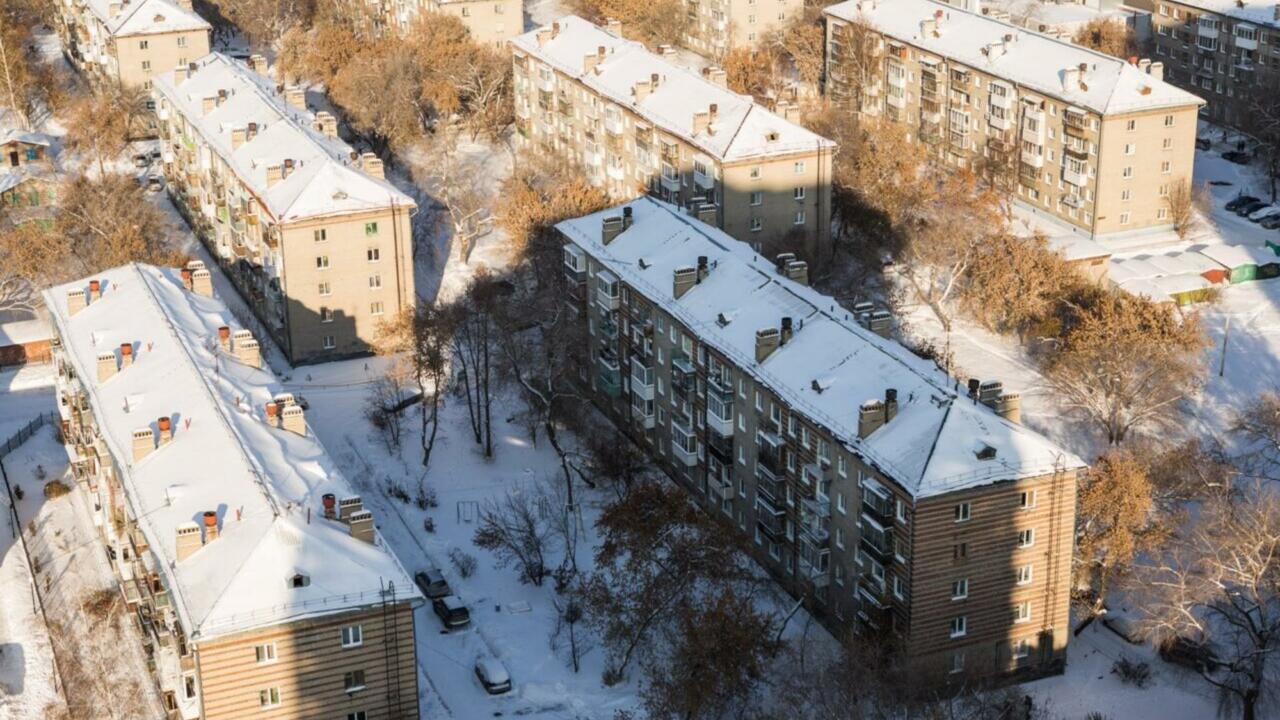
point(831, 365)
point(8, 135)
point(324, 182)
point(742, 129)
point(1258, 12)
point(264, 483)
point(147, 17)
point(1029, 59)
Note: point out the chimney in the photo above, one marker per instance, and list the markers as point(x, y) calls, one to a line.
point(974, 384)
point(610, 228)
point(126, 355)
point(296, 97)
point(544, 36)
point(287, 170)
point(1084, 69)
point(237, 137)
point(717, 76)
point(703, 269)
point(626, 218)
point(881, 323)
point(1275, 14)
point(273, 409)
point(76, 301)
point(362, 526)
point(1156, 70)
point(989, 392)
point(258, 64)
point(293, 420)
point(327, 124)
point(590, 62)
point(202, 282)
point(275, 173)
point(790, 112)
point(247, 349)
point(224, 338)
point(767, 341)
point(555, 30)
point(613, 26)
point(113, 9)
point(186, 278)
point(330, 502)
point(372, 165)
point(642, 89)
point(222, 97)
point(208, 104)
point(781, 259)
point(870, 417)
point(684, 280)
point(179, 74)
point(1144, 65)
point(786, 334)
point(890, 404)
point(349, 506)
point(251, 132)
point(1009, 407)
point(187, 540)
point(701, 121)
point(798, 271)
point(709, 213)
point(144, 441)
point(1070, 78)
point(165, 425)
point(95, 290)
point(106, 366)
point(667, 52)
point(210, 526)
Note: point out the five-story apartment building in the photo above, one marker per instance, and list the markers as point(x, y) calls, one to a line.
point(636, 122)
point(1226, 51)
point(131, 41)
point(714, 27)
point(492, 22)
point(311, 233)
point(893, 500)
point(260, 584)
point(1091, 140)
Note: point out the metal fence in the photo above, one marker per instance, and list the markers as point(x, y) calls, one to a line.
point(26, 432)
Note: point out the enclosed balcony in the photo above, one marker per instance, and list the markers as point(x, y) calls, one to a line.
point(719, 409)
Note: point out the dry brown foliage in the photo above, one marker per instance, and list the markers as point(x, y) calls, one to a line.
point(1108, 36)
point(1116, 519)
point(1015, 283)
point(103, 122)
point(534, 199)
point(653, 22)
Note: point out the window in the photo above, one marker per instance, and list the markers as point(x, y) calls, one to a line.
point(1167, 144)
point(899, 588)
point(959, 551)
point(326, 314)
point(265, 653)
point(353, 681)
point(1125, 194)
point(1132, 125)
point(755, 173)
point(1128, 172)
point(960, 589)
point(352, 636)
point(142, 44)
point(1022, 612)
point(1021, 649)
point(1130, 148)
point(328, 342)
point(1166, 167)
point(269, 698)
point(371, 228)
point(800, 218)
point(375, 281)
point(1161, 213)
point(324, 288)
point(466, 11)
point(1124, 218)
point(373, 254)
point(375, 308)
point(959, 626)
point(799, 167)
point(498, 9)
point(840, 538)
point(757, 197)
point(1027, 538)
point(322, 262)
point(1025, 574)
point(189, 686)
point(182, 41)
point(797, 193)
point(357, 715)
point(957, 661)
point(1168, 121)
point(320, 235)
point(962, 512)
point(1027, 499)
point(146, 64)
point(756, 225)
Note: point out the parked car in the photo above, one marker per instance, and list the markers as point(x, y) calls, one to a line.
point(493, 675)
point(1234, 203)
point(1203, 143)
point(451, 611)
point(1249, 208)
point(1264, 213)
point(1237, 157)
point(1271, 222)
point(1189, 653)
point(432, 583)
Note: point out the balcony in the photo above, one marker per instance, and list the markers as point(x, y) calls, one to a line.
point(721, 486)
point(670, 183)
point(770, 487)
point(719, 409)
point(641, 379)
point(704, 181)
point(897, 101)
point(643, 416)
point(769, 456)
point(1075, 123)
point(877, 503)
point(684, 444)
point(876, 539)
point(1000, 123)
point(1078, 179)
point(1003, 100)
point(721, 447)
point(1247, 43)
point(610, 375)
point(1032, 159)
point(607, 295)
point(683, 375)
point(771, 519)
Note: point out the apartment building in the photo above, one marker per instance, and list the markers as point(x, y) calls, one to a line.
point(260, 583)
point(311, 233)
point(889, 498)
point(28, 177)
point(1094, 141)
point(131, 41)
point(1226, 51)
point(714, 27)
point(636, 122)
point(492, 22)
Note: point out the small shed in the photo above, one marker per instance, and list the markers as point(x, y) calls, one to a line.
point(1088, 257)
point(1143, 287)
point(1189, 262)
point(1185, 288)
point(24, 336)
point(1243, 263)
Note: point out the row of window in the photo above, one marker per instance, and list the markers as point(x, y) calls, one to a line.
point(1026, 501)
point(959, 626)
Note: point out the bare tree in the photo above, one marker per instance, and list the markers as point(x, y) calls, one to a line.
point(426, 336)
point(1107, 35)
point(1257, 429)
point(382, 408)
point(103, 123)
point(1219, 583)
point(16, 293)
point(1263, 122)
point(474, 345)
point(1182, 206)
point(514, 529)
point(457, 182)
point(856, 63)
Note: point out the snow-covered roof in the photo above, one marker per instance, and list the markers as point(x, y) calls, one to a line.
point(1258, 12)
point(325, 181)
point(1074, 247)
point(19, 327)
point(741, 129)
point(9, 135)
point(1233, 256)
point(146, 17)
point(831, 365)
point(264, 483)
point(1029, 59)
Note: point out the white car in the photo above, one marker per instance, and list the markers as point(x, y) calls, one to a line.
point(493, 675)
point(1264, 213)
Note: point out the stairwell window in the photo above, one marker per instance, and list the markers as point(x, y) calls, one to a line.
point(324, 289)
point(353, 681)
point(1027, 499)
point(375, 281)
point(320, 235)
point(373, 254)
point(1027, 538)
point(269, 698)
point(959, 626)
point(352, 636)
point(326, 315)
point(328, 342)
point(1022, 612)
point(322, 262)
point(800, 218)
point(962, 512)
point(376, 308)
point(757, 198)
point(357, 715)
point(797, 193)
point(799, 168)
point(1025, 574)
point(265, 653)
point(960, 589)
point(371, 228)
point(182, 41)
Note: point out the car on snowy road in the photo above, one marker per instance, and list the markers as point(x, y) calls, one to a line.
point(451, 611)
point(493, 675)
point(1236, 156)
point(432, 583)
point(1236, 202)
point(1264, 213)
point(1249, 208)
